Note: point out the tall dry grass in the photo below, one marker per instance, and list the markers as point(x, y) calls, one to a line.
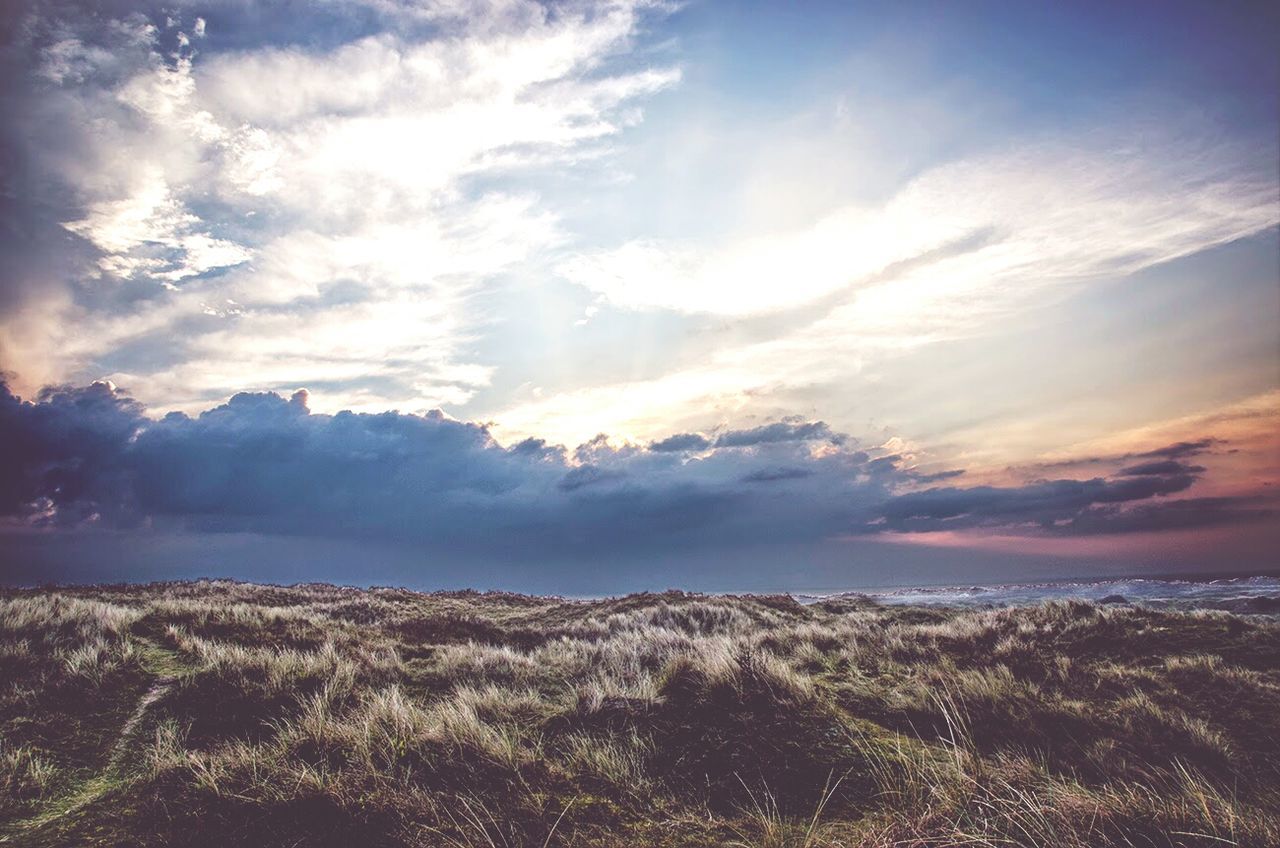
point(327, 716)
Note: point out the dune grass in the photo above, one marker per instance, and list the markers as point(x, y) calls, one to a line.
point(219, 713)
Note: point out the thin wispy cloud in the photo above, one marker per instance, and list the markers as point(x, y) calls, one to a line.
point(980, 233)
point(961, 251)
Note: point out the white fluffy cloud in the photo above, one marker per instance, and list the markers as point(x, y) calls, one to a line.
point(150, 233)
point(311, 214)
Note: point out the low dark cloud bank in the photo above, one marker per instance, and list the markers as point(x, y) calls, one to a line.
point(766, 434)
point(78, 458)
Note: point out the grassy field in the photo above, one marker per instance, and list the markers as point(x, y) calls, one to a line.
point(216, 713)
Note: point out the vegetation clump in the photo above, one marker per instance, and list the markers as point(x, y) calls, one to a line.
point(218, 713)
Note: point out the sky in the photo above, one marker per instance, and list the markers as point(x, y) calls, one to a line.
point(592, 297)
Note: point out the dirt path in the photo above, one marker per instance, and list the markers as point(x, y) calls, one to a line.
point(158, 690)
point(164, 665)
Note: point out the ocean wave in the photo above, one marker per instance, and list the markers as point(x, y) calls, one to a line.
point(1250, 594)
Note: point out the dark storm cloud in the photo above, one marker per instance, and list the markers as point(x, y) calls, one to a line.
point(940, 475)
point(780, 431)
point(1180, 450)
point(586, 475)
point(66, 448)
point(1042, 502)
point(1183, 514)
point(1169, 453)
point(765, 434)
point(1136, 499)
point(682, 442)
point(884, 465)
point(1160, 467)
point(771, 475)
point(262, 463)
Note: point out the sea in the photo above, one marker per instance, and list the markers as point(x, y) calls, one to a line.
point(1248, 595)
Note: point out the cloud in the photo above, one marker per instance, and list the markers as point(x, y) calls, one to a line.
point(1134, 499)
point(771, 475)
point(778, 431)
point(1158, 468)
point(586, 475)
point(309, 200)
point(1041, 503)
point(339, 198)
point(975, 236)
point(149, 233)
point(255, 198)
point(65, 451)
point(967, 252)
point(1176, 515)
point(1180, 450)
point(261, 463)
point(1162, 460)
point(682, 442)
